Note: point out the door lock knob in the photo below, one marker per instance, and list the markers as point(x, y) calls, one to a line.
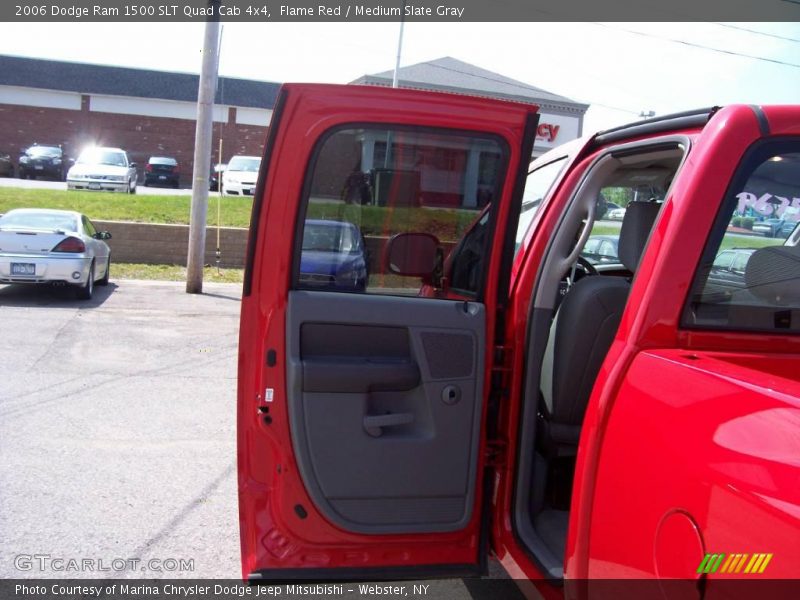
point(451, 394)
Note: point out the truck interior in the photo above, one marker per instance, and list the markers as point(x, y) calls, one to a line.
point(578, 303)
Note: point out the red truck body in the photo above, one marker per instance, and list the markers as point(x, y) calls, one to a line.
point(388, 435)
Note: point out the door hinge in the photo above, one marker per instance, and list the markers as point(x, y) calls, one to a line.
point(501, 373)
point(496, 451)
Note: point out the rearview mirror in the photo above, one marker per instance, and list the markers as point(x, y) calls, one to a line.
point(414, 255)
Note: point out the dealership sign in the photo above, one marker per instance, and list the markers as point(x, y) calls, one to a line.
point(555, 130)
point(769, 204)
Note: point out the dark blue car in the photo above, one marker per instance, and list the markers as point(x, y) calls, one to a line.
point(334, 256)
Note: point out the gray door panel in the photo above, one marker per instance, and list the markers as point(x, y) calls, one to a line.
point(385, 398)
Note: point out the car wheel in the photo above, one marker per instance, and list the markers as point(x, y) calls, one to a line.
point(87, 289)
point(132, 188)
point(104, 280)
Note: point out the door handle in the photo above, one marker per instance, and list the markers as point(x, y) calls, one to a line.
point(374, 424)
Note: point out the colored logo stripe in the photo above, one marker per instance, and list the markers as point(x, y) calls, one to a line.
point(710, 563)
point(735, 563)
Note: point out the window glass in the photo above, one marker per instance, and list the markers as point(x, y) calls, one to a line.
point(23, 219)
point(637, 178)
point(753, 237)
point(88, 227)
point(537, 185)
point(369, 185)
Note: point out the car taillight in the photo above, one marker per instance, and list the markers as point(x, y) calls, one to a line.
point(70, 244)
point(149, 168)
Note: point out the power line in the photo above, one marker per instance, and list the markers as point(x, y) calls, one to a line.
point(764, 33)
point(694, 45)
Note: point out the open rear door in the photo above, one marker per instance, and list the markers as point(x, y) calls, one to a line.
point(364, 371)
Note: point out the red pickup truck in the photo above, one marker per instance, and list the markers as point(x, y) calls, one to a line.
point(584, 398)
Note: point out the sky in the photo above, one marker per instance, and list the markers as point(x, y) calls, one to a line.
point(620, 69)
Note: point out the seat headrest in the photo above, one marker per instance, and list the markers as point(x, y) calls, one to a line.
point(636, 226)
point(773, 274)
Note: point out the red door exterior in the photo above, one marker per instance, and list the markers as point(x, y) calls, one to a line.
point(283, 533)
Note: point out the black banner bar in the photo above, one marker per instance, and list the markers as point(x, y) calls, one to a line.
point(365, 11)
point(739, 588)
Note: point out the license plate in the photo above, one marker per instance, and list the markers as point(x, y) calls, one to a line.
point(23, 269)
point(162, 176)
point(38, 167)
point(94, 186)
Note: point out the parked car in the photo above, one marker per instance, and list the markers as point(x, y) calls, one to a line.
point(615, 214)
point(216, 173)
point(103, 169)
point(43, 160)
point(53, 246)
point(6, 166)
point(334, 256)
point(608, 206)
point(162, 170)
point(768, 227)
point(637, 429)
point(239, 177)
point(787, 228)
point(601, 249)
point(728, 271)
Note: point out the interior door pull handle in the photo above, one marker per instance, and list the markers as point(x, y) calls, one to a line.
point(374, 424)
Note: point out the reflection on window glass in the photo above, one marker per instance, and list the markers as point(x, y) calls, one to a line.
point(751, 278)
point(370, 185)
point(537, 185)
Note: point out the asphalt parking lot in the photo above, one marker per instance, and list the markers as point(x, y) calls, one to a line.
point(46, 184)
point(117, 426)
point(117, 432)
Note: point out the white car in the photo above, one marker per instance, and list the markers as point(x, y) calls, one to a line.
point(53, 246)
point(615, 214)
point(239, 178)
point(103, 169)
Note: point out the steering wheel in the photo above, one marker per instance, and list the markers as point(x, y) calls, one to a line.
point(586, 266)
point(581, 265)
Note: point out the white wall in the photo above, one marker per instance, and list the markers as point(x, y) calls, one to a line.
point(253, 116)
point(42, 98)
point(150, 107)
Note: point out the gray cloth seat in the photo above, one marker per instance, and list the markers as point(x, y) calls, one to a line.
point(581, 334)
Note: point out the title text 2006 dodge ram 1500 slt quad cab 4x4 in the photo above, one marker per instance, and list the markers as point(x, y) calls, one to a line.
point(630, 413)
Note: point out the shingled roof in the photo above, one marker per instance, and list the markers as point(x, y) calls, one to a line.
point(453, 75)
point(86, 78)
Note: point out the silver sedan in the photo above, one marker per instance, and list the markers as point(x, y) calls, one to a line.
point(53, 246)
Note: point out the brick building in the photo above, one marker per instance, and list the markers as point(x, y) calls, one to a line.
point(142, 111)
point(149, 112)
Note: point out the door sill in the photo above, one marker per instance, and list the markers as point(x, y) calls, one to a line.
point(318, 575)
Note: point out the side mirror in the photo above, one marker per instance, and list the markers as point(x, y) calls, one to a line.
point(132, 165)
point(415, 255)
point(102, 235)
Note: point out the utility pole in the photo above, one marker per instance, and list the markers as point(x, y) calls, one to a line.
point(399, 44)
point(202, 153)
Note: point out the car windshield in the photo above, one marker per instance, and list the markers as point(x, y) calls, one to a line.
point(162, 160)
point(99, 156)
point(38, 220)
point(43, 151)
point(324, 237)
point(244, 163)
